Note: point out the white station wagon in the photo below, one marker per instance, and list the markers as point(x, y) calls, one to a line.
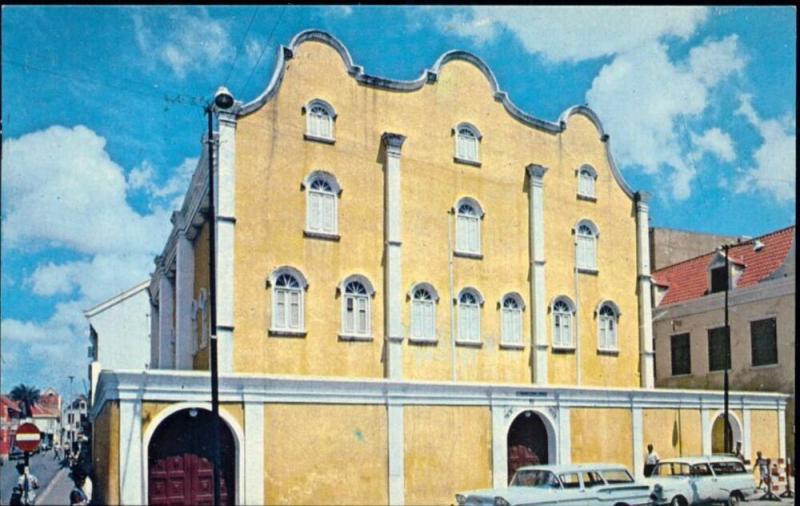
point(579, 484)
point(696, 480)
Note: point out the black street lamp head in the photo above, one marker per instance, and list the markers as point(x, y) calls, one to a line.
point(223, 98)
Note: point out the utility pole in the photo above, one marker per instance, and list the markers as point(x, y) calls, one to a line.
point(727, 352)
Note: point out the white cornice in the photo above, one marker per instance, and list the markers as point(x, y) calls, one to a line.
point(181, 386)
point(428, 76)
point(116, 299)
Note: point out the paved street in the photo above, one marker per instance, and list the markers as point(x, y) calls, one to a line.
point(43, 467)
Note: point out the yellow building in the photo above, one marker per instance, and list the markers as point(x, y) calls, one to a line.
point(419, 288)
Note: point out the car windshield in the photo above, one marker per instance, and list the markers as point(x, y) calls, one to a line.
point(672, 469)
point(733, 467)
point(535, 478)
point(617, 476)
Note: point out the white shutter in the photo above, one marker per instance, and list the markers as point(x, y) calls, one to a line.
point(348, 314)
point(280, 309)
point(461, 232)
point(294, 319)
point(328, 204)
point(362, 315)
point(517, 326)
point(313, 211)
point(415, 318)
point(476, 323)
point(475, 237)
point(429, 320)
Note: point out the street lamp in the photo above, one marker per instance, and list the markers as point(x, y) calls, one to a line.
point(727, 353)
point(223, 100)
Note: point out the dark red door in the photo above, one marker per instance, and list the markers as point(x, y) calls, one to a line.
point(180, 470)
point(518, 456)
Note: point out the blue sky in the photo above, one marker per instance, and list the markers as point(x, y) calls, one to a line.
point(102, 125)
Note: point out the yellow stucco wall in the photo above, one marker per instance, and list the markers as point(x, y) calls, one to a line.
point(447, 449)
point(764, 434)
point(590, 441)
point(273, 158)
point(322, 454)
point(673, 432)
point(105, 453)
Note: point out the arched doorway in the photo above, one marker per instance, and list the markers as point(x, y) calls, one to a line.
point(718, 433)
point(180, 461)
point(527, 442)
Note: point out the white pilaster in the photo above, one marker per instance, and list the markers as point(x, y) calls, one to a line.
point(564, 436)
point(747, 442)
point(155, 323)
point(782, 431)
point(499, 447)
point(396, 454)
point(131, 464)
point(645, 308)
point(226, 223)
point(638, 443)
point(254, 453)
point(184, 293)
point(705, 430)
point(166, 321)
point(537, 287)
point(393, 269)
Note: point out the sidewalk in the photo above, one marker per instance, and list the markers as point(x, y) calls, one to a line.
point(57, 491)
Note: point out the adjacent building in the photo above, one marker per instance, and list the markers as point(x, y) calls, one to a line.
point(688, 321)
point(669, 246)
point(10, 414)
point(119, 333)
point(74, 423)
point(419, 287)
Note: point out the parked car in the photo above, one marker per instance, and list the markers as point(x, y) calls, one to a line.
point(686, 481)
point(579, 484)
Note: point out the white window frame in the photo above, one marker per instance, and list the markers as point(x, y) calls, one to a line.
point(463, 131)
point(557, 326)
point(321, 197)
point(607, 343)
point(586, 246)
point(422, 317)
point(468, 226)
point(587, 186)
point(469, 317)
point(313, 131)
point(302, 285)
point(516, 315)
point(353, 334)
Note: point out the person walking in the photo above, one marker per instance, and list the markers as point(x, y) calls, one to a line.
point(77, 497)
point(24, 492)
point(763, 470)
point(739, 454)
point(650, 461)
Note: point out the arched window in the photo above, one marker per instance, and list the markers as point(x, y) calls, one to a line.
point(319, 120)
point(586, 181)
point(423, 313)
point(511, 320)
point(321, 203)
point(607, 318)
point(586, 237)
point(288, 286)
point(467, 143)
point(468, 226)
point(563, 312)
point(469, 316)
point(356, 314)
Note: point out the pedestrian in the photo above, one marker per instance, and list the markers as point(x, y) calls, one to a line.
point(87, 484)
point(77, 497)
point(650, 461)
point(25, 488)
point(739, 454)
point(763, 470)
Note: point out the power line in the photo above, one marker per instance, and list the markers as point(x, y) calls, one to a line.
point(236, 54)
point(266, 45)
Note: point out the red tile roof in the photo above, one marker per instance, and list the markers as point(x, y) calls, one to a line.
point(689, 279)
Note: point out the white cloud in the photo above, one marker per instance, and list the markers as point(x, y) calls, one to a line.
point(253, 50)
point(716, 142)
point(61, 188)
point(574, 33)
point(195, 42)
point(774, 170)
point(645, 100)
point(144, 177)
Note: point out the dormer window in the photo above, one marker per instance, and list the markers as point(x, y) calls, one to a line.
point(320, 117)
point(719, 281)
point(467, 139)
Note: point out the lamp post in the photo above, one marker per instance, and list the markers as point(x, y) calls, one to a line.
point(222, 100)
point(727, 352)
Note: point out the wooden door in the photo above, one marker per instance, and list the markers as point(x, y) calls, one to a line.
point(518, 456)
point(186, 479)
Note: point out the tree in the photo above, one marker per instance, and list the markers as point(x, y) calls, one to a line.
point(27, 397)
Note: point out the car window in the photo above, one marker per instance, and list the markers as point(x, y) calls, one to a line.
point(617, 476)
point(721, 468)
point(591, 479)
point(671, 469)
point(701, 470)
point(569, 480)
point(534, 478)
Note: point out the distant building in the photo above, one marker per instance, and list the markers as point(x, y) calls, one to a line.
point(669, 246)
point(73, 422)
point(119, 331)
point(9, 420)
point(46, 415)
point(688, 322)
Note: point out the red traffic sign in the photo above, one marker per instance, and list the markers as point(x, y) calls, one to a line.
point(28, 437)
